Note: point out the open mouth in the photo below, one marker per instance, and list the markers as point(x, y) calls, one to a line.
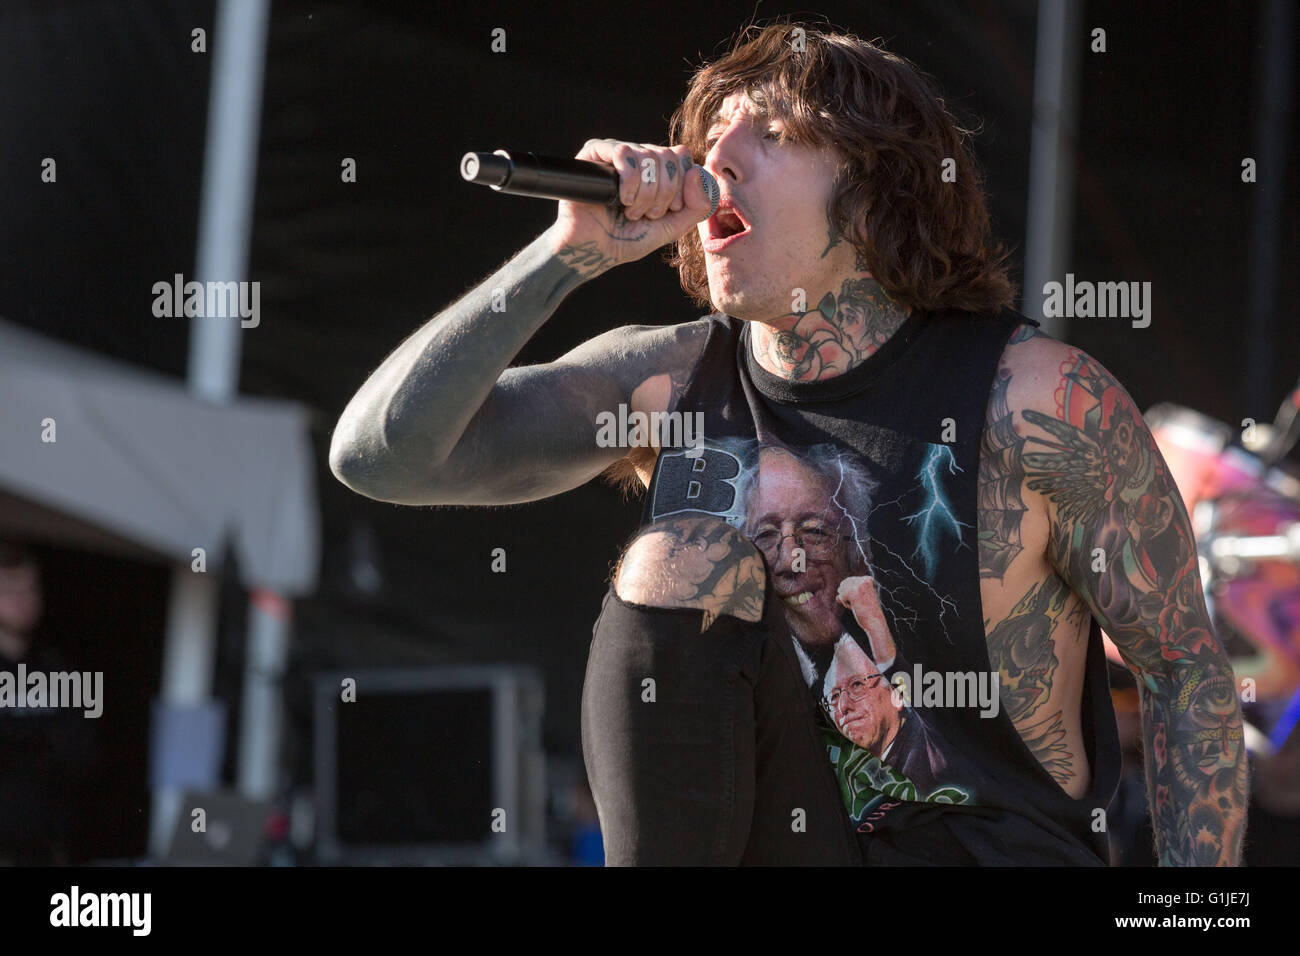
point(725, 225)
point(798, 600)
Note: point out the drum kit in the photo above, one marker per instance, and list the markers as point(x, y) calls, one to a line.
point(1244, 502)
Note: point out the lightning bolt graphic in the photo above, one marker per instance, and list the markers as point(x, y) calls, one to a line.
point(894, 606)
point(936, 517)
point(912, 618)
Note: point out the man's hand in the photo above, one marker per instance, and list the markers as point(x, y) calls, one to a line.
point(662, 197)
point(858, 594)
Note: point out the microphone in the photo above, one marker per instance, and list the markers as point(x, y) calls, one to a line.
point(553, 177)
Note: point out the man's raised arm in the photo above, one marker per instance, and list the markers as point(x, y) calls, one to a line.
point(1121, 538)
point(444, 420)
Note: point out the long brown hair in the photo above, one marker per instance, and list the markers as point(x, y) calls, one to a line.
point(926, 241)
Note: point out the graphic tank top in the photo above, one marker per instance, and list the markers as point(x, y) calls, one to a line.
point(874, 473)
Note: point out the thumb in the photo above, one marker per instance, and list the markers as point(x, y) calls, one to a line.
point(700, 195)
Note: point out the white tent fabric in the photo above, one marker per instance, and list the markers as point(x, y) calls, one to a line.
point(139, 462)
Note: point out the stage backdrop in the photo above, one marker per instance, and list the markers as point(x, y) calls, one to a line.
point(115, 93)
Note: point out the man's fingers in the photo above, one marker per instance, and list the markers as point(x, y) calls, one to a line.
point(659, 189)
point(688, 172)
point(859, 595)
point(849, 587)
point(627, 161)
point(650, 173)
point(697, 206)
point(670, 183)
point(648, 197)
point(654, 181)
point(623, 158)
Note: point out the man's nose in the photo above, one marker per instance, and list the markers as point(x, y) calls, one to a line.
point(785, 552)
point(723, 159)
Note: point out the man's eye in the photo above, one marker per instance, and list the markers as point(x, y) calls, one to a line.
point(814, 533)
point(772, 134)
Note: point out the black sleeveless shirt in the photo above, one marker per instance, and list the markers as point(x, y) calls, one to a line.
point(874, 473)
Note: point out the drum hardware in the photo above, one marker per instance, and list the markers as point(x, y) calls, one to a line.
point(1245, 510)
point(1233, 555)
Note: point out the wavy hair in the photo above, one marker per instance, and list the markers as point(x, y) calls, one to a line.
point(926, 241)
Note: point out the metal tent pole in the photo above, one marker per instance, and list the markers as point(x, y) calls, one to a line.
point(1051, 155)
point(225, 227)
point(1277, 34)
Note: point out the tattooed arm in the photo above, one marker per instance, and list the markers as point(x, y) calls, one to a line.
point(444, 421)
point(423, 432)
point(1121, 539)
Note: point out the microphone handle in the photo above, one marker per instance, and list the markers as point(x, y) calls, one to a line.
point(520, 173)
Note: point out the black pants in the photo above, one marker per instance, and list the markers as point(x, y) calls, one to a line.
point(701, 745)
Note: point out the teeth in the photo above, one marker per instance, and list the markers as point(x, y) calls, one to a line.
point(803, 597)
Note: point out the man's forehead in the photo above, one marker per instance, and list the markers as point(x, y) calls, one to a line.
point(806, 516)
point(792, 490)
point(738, 101)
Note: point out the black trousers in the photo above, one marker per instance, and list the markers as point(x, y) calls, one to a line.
point(701, 743)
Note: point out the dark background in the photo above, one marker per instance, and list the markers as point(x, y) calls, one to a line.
point(112, 91)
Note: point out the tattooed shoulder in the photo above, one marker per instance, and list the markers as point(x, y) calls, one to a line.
point(1024, 332)
point(669, 357)
point(663, 361)
point(1003, 503)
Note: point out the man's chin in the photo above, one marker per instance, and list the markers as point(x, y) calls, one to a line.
point(732, 297)
point(814, 625)
point(854, 732)
point(729, 303)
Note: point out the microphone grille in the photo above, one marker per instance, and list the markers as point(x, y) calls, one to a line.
point(711, 187)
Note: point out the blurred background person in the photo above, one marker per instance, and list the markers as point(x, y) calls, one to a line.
point(46, 753)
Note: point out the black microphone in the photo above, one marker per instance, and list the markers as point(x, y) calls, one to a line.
point(553, 177)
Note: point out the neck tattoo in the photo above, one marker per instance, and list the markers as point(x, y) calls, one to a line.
point(841, 333)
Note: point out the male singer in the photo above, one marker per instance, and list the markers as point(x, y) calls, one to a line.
point(1018, 499)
